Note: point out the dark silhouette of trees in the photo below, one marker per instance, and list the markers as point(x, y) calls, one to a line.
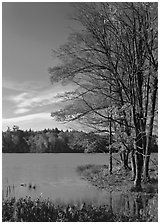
point(52, 141)
point(14, 141)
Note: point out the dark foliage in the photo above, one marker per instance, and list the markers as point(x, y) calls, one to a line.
point(38, 210)
point(52, 141)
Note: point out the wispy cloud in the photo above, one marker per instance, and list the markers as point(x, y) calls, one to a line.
point(26, 118)
point(21, 110)
point(30, 99)
point(22, 86)
point(26, 101)
point(36, 121)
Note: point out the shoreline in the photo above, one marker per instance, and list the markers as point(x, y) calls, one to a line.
point(120, 180)
point(132, 207)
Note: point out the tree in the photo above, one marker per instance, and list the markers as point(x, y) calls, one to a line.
point(14, 141)
point(116, 47)
point(7, 143)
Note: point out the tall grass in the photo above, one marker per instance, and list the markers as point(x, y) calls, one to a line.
point(8, 191)
point(44, 210)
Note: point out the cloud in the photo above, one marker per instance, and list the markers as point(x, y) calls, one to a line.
point(26, 118)
point(27, 101)
point(19, 97)
point(21, 111)
point(30, 97)
point(22, 86)
point(37, 121)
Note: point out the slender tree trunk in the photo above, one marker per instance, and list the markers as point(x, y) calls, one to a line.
point(124, 159)
point(138, 160)
point(138, 152)
point(133, 164)
point(110, 149)
point(110, 161)
point(110, 137)
point(146, 160)
point(139, 167)
point(146, 168)
point(149, 135)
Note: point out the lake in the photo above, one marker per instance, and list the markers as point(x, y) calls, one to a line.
point(54, 176)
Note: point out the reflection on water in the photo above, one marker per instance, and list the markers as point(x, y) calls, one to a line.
point(131, 205)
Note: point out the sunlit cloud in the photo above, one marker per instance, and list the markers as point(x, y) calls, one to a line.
point(26, 118)
point(21, 111)
point(27, 101)
point(36, 121)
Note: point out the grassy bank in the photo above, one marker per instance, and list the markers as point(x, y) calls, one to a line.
point(142, 204)
point(38, 210)
point(120, 180)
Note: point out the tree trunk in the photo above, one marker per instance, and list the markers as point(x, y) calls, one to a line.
point(124, 159)
point(138, 145)
point(146, 168)
point(110, 159)
point(133, 165)
point(149, 135)
point(139, 166)
point(110, 145)
point(147, 159)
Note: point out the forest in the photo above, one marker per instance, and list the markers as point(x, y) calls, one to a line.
point(52, 141)
point(58, 141)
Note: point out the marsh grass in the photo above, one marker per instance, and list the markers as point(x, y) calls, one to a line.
point(8, 191)
point(45, 210)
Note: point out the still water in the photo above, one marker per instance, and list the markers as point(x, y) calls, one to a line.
point(54, 176)
point(51, 175)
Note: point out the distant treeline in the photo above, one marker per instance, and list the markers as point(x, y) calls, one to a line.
point(52, 141)
point(55, 141)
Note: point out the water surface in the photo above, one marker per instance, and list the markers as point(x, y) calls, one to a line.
point(51, 175)
point(54, 176)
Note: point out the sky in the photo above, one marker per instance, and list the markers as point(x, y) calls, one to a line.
point(29, 33)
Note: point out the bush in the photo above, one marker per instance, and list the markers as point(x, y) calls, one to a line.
point(38, 210)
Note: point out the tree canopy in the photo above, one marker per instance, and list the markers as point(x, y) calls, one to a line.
point(53, 141)
point(113, 61)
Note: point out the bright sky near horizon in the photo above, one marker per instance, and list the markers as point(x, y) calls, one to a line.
point(30, 30)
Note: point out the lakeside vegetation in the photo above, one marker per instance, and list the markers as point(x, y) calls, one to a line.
point(121, 182)
point(121, 179)
point(41, 210)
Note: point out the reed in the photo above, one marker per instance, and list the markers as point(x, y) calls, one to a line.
point(8, 191)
